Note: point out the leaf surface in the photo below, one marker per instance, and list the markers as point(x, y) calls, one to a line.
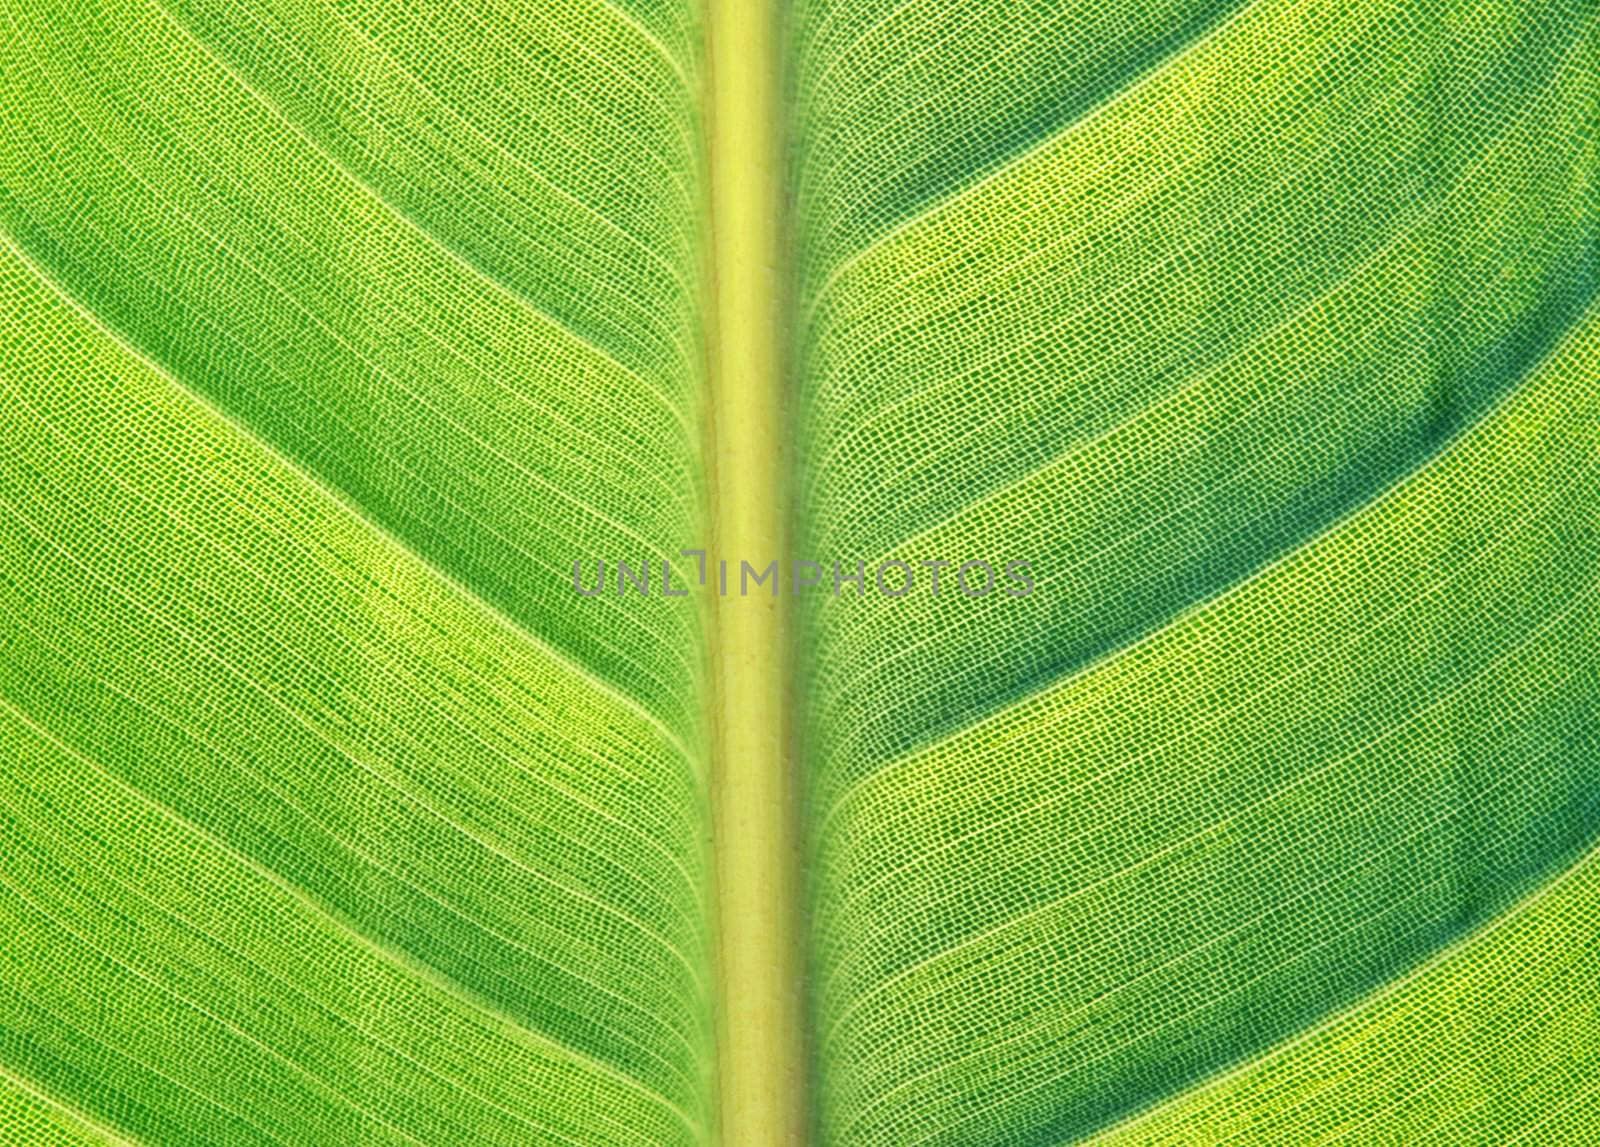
point(1264, 331)
point(334, 334)
point(1267, 335)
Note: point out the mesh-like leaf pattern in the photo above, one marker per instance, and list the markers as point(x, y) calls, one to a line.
point(1265, 331)
point(332, 334)
point(1267, 334)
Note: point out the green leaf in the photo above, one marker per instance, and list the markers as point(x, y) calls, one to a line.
point(333, 332)
point(1492, 1041)
point(1268, 336)
point(330, 813)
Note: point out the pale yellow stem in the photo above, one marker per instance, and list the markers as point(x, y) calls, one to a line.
point(760, 1047)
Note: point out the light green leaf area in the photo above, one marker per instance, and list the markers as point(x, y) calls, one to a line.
point(1280, 363)
point(329, 813)
point(1265, 331)
point(1494, 1042)
point(28, 1119)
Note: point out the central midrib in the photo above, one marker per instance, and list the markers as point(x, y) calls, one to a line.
point(760, 1074)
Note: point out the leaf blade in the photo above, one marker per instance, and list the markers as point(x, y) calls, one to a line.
point(302, 438)
point(1248, 312)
